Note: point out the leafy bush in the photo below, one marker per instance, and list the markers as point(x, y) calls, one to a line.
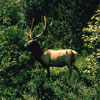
point(21, 77)
point(92, 42)
point(9, 13)
point(68, 18)
point(92, 39)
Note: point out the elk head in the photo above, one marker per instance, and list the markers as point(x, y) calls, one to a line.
point(32, 44)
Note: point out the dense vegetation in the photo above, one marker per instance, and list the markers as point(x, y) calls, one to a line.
point(22, 77)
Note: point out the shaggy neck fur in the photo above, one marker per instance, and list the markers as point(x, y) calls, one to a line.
point(34, 47)
point(38, 55)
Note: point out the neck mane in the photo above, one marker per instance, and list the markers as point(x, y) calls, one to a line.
point(37, 52)
point(38, 55)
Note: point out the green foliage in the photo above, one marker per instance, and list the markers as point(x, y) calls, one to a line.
point(57, 34)
point(92, 39)
point(68, 18)
point(92, 42)
point(9, 13)
point(21, 77)
point(11, 61)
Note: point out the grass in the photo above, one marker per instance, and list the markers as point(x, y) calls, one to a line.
point(61, 71)
point(35, 86)
point(72, 89)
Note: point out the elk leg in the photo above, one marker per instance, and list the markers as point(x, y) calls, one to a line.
point(48, 73)
point(70, 72)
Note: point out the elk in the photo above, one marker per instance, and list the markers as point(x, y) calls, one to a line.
point(51, 58)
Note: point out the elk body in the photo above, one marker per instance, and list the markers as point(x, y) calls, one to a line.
point(52, 58)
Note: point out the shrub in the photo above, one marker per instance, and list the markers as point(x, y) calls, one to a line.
point(92, 42)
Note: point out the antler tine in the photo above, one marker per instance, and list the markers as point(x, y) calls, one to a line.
point(43, 29)
point(30, 34)
point(51, 23)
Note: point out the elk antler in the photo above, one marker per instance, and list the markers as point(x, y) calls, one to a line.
point(36, 37)
point(30, 33)
point(51, 23)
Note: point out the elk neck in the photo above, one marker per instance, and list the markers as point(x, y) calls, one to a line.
point(36, 51)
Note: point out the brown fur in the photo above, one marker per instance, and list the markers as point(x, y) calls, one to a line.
point(58, 57)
